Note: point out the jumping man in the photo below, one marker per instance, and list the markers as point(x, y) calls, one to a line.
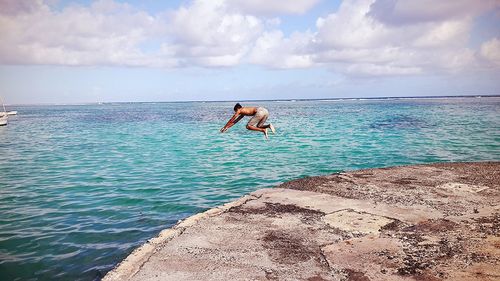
point(256, 123)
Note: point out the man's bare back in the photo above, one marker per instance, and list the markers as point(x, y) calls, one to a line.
point(256, 123)
point(247, 111)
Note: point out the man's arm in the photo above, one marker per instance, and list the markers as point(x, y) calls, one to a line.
point(236, 117)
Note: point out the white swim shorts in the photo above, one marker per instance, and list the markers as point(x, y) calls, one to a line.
point(259, 118)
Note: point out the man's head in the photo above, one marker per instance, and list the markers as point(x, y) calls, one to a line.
point(237, 106)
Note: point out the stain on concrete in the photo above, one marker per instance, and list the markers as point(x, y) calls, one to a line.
point(274, 209)
point(353, 275)
point(287, 248)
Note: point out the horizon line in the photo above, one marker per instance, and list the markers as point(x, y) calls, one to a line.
point(267, 100)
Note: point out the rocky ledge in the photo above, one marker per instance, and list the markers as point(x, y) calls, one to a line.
point(422, 222)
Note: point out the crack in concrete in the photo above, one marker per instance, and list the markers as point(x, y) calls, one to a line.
point(340, 210)
point(323, 257)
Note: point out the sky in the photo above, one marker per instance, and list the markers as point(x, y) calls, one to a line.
point(60, 51)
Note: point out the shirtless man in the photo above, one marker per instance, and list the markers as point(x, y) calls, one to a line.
point(256, 123)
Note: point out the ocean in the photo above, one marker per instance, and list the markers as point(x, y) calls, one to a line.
point(81, 186)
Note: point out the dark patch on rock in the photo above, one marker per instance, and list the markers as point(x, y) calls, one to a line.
point(439, 225)
point(488, 225)
point(340, 178)
point(275, 209)
point(449, 249)
point(316, 278)
point(353, 275)
point(393, 226)
point(479, 173)
point(426, 277)
point(287, 248)
point(271, 275)
point(362, 175)
point(476, 257)
point(422, 256)
point(433, 244)
point(413, 266)
point(403, 181)
point(308, 183)
point(408, 185)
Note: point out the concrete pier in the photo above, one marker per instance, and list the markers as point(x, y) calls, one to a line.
point(423, 222)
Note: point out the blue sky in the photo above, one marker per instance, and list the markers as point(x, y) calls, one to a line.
point(106, 51)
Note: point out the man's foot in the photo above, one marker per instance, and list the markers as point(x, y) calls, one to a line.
point(272, 128)
point(265, 134)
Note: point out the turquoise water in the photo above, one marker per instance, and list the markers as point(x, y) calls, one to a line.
point(82, 186)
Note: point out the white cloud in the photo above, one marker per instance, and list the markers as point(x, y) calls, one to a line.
point(12, 7)
point(104, 33)
point(349, 27)
point(361, 38)
point(203, 33)
point(400, 12)
point(269, 7)
point(274, 50)
point(490, 51)
point(370, 69)
point(353, 41)
point(207, 33)
point(352, 27)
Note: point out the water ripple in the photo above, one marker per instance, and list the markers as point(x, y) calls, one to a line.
point(81, 186)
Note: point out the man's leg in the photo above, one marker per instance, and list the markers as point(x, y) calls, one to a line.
point(261, 123)
point(253, 124)
point(268, 126)
point(253, 128)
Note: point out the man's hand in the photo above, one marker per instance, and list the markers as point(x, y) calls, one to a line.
point(236, 117)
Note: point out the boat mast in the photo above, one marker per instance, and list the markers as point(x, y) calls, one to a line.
point(1, 100)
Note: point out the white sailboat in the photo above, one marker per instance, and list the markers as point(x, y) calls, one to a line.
point(3, 115)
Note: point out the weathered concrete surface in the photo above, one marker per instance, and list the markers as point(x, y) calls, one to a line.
point(424, 222)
